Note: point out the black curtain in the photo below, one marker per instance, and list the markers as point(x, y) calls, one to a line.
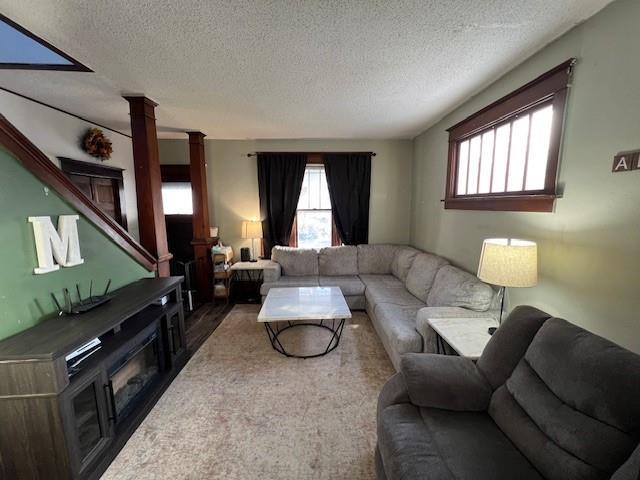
point(280, 177)
point(349, 182)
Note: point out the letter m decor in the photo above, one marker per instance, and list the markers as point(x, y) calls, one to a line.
point(61, 245)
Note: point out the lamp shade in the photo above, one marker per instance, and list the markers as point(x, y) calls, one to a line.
point(251, 229)
point(509, 262)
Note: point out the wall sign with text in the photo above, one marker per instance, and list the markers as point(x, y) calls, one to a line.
point(626, 161)
point(61, 245)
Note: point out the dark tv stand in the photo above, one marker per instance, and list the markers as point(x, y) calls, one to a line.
point(69, 423)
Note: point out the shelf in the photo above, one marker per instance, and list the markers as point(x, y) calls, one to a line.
point(59, 336)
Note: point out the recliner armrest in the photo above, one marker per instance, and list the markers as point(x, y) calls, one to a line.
point(445, 381)
point(393, 392)
point(272, 272)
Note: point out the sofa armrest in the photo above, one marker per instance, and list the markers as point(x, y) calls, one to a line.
point(444, 381)
point(271, 272)
point(429, 336)
point(393, 392)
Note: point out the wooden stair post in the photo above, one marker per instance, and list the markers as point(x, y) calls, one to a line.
point(202, 240)
point(146, 159)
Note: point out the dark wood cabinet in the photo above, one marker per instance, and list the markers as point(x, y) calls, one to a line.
point(176, 335)
point(87, 429)
point(102, 184)
point(66, 415)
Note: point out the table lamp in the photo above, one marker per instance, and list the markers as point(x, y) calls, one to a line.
point(508, 262)
point(252, 230)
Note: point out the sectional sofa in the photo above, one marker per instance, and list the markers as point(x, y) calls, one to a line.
point(400, 287)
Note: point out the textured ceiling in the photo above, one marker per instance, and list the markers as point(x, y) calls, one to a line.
point(284, 69)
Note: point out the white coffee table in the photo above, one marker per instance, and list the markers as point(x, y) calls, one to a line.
point(320, 307)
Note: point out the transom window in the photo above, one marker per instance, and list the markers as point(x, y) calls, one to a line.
point(505, 157)
point(176, 198)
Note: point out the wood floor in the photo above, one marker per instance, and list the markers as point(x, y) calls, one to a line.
point(202, 322)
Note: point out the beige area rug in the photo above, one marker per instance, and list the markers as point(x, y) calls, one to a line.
point(240, 410)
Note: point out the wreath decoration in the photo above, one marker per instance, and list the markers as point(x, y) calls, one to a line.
point(95, 143)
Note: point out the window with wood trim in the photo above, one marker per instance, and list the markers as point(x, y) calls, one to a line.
point(506, 156)
point(313, 226)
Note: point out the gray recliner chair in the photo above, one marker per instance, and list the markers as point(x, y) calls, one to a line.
point(546, 400)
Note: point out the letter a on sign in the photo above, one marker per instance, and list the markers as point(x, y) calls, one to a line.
point(62, 244)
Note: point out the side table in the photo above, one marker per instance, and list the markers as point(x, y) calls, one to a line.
point(250, 274)
point(466, 336)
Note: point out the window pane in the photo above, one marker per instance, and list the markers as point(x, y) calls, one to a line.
point(463, 164)
point(314, 188)
point(519, 135)
point(486, 160)
point(176, 198)
point(314, 229)
point(500, 159)
point(539, 148)
point(325, 201)
point(474, 165)
point(303, 201)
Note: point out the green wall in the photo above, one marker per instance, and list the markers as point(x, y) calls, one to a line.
point(589, 248)
point(24, 297)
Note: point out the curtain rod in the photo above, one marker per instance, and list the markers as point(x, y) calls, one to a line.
point(373, 154)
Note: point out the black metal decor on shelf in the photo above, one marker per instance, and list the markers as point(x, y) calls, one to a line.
point(82, 305)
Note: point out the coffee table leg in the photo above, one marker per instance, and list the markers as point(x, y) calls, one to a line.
point(334, 341)
point(337, 333)
point(273, 338)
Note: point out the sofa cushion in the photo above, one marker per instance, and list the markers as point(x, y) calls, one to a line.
point(398, 324)
point(376, 258)
point(290, 281)
point(577, 364)
point(473, 447)
point(570, 388)
point(381, 281)
point(296, 261)
point(376, 295)
point(349, 285)
point(338, 260)
point(402, 260)
point(418, 443)
point(422, 273)
point(453, 287)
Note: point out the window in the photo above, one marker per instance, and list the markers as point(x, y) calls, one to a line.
point(176, 198)
point(21, 49)
point(313, 226)
point(505, 157)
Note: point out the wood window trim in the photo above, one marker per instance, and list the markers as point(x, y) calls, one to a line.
point(550, 87)
point(86, 169)
point(175, 173)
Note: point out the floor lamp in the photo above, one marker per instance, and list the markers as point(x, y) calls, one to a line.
point(508, 262)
